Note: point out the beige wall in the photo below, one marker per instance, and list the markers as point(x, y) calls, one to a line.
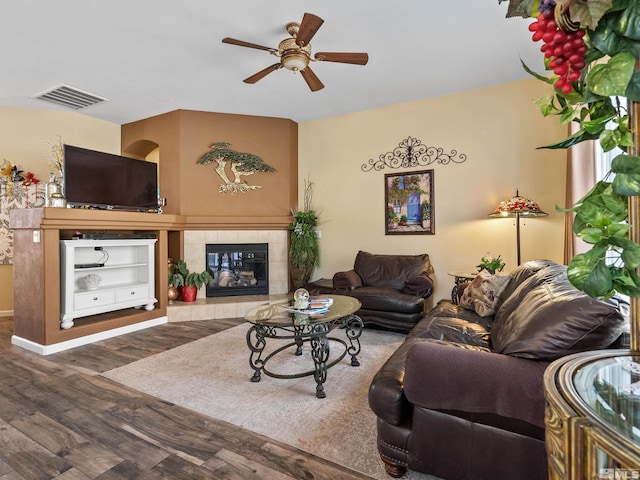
point(25, 139)
point(498, 128)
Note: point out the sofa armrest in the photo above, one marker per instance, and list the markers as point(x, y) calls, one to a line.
point(386, 392)
point(446, 377)
point(420, 286)
point(348, 280)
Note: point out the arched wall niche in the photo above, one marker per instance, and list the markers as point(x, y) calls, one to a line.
point(140, 149)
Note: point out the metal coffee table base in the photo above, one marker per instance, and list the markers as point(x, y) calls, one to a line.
point(305, 332)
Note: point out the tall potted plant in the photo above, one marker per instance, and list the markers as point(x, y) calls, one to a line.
point(592, 47)
point(304, 254)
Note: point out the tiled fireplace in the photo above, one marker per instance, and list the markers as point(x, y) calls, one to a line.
point(232, 306)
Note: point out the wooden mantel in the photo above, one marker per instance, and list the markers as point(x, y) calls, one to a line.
point(37, 233)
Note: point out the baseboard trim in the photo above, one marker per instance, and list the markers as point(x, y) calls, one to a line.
point(77, 342)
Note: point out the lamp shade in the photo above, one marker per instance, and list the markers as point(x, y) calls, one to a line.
point(516, 206)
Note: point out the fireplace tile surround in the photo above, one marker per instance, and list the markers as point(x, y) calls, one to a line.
point(204, 308)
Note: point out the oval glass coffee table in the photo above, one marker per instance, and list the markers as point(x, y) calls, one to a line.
point(272, 321)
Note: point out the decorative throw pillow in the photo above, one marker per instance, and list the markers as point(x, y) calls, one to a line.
point(482, 294)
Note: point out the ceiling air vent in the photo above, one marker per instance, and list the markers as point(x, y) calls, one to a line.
point(70, 97)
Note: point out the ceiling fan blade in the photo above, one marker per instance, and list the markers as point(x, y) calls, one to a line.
point(262, 73)
point(312, 80)
point(240, 43)
point(308, 28)
point(343, 57)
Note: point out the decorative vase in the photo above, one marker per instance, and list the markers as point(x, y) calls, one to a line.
point(92, 281)
point(172, 294)
point(188, 293)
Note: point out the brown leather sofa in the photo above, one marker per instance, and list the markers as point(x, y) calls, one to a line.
point(462, 398)
point(391, 288)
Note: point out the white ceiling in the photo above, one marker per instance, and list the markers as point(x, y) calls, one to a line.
point(153, 56)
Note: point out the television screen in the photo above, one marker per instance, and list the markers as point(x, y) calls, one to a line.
point(105, 180)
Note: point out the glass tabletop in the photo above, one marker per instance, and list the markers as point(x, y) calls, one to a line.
point(275, 314)
point(610, 387)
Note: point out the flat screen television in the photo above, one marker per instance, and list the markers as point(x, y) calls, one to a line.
point(103, 180)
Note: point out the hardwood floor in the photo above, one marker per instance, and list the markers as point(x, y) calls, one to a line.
point(60, 419)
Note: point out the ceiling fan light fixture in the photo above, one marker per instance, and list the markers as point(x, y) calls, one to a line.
point(295, 62)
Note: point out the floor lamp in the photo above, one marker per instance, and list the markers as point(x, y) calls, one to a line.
point(516, 207)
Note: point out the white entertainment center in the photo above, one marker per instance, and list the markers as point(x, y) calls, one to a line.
point(99, 276)
point(54, 309)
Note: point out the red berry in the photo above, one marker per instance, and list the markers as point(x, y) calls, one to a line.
point(548, 53)
point(533, 26)
point(560, 36)
point(567, 48)
point(547, 14)
point(567, 89)
point(561, 82)
point(537, 35)
point(561, 69)
point(577, 43)
point(582, 50)
point(559, 60)
point(579, 65)
point(558, 52)
point(547, 37)
point(581, 33)
point(574, 76)
point(551, 26)
point(575, 58)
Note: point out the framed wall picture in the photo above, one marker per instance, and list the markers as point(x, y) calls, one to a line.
point(409, 206)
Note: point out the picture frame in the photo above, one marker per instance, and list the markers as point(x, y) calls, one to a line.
point(409, 207)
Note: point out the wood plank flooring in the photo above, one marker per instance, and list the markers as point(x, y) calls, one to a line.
point(60, 419)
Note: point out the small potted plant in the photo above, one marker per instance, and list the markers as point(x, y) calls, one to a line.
point(189, 282)
point(491, 264)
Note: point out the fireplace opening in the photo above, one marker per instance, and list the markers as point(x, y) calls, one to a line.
point(238, 269)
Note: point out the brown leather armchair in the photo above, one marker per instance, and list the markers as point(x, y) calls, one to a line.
point(391, 288)
point(462, 398)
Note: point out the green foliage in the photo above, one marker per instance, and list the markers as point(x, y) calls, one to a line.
point(304, 249)
point(180, 275)
point(491, 263)
point(244, 161)
point(613, 42)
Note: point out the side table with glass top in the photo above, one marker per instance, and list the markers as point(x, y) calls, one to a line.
point(592, 416)
point(272, 322)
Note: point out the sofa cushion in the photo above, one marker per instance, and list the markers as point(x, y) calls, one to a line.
point(384, 299)
point(390, 271)
point(483, 292)
point(546, 318)
point(441, 376)
point(421, 286)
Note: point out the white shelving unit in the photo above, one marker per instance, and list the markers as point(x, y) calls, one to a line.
point(126, 277)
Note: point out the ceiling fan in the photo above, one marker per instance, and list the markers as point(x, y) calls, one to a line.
point(295, 52)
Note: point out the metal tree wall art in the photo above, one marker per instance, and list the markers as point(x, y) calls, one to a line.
point(412, 153)
point(240, 164)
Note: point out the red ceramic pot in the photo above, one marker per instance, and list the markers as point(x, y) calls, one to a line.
point(188, 293)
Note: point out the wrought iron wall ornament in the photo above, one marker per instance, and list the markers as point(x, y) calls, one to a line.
point(412, 153)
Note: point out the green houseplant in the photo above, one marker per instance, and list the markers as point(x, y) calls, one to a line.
point(490, 263)
point(304, 254)
point(588, 95)
point(188, 282)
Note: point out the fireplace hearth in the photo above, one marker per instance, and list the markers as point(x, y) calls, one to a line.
point(238, 269)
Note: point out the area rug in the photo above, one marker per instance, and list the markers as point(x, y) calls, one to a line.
point(212, 376)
